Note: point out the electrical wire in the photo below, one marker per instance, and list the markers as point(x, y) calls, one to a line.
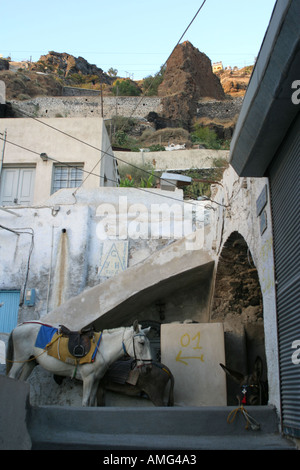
point(151, 81)
point(110, 179)
point(149, 85)
point(191, 22)
point(89, 172)
point(82, 142)
point(98, 175)
point(106, 152)
point(138, 104)
point(18, 232)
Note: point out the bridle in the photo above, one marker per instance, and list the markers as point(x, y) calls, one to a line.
point(244, 391)
point(144, 361)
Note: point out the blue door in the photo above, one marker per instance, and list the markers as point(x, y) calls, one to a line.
point(9, 308)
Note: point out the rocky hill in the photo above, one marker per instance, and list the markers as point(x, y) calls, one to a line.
point(25, 85)
point(187, 79)
point(188, 76)
point(66, 66)
point(49, 75)
point(235, 81)
point(189, 71)
point(189, 93)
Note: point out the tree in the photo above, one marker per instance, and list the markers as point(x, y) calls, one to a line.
point(112, 72)
point(151, 84)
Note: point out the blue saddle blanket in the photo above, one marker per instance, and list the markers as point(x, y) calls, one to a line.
point(44, 336)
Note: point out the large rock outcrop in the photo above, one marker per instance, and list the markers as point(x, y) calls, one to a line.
point(188, 78)
point(25, 85)
point(66, 64)
point(4, 64)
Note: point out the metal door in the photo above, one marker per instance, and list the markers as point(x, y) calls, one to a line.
point(9, 308)
point(284, 175)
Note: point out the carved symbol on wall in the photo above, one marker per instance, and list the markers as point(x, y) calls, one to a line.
point(113, 259)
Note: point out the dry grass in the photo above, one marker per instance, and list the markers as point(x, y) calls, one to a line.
point(165, 136)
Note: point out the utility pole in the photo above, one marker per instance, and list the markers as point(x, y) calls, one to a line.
point(115, 125)
point(101, 93)
point(117, 94)
point(3, 150)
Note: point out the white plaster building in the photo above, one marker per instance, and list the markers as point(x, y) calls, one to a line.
point(40, 156)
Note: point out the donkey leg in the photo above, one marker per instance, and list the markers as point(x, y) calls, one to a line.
point(27, 369)
point(21, 370)
point(87, 390)
point(101, 395)
point(157, 400)
point(93, 396)
point(15, 370)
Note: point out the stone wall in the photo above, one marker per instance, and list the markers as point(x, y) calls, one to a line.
point(174, 160)
point(75, 91)
point(135, 106)
point(222, 110)
point(88, 106)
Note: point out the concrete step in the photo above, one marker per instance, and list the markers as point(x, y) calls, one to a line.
point(204, 428)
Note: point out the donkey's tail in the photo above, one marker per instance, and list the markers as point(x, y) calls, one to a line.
point(9, 353)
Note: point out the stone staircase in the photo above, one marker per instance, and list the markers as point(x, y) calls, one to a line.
point(188, 428)
point(146, 428)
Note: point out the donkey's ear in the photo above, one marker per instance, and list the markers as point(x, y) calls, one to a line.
point(136, 327)
point(146, 330)
point(258, 368)
point(236, 376)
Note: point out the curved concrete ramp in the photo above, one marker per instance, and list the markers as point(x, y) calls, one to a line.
point(119, 299)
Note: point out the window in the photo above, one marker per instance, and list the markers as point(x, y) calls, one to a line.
point(66, 177)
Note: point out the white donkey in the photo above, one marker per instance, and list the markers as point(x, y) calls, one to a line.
point(22, 355)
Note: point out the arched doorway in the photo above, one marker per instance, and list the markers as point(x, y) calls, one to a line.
point(237, 303)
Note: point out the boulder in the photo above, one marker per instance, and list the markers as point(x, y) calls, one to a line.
point(188, 78)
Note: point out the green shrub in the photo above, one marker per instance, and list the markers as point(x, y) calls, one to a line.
point(151, 83)
point(125, 88)
point(156, 148)
point(138, 177)
point(206, 137)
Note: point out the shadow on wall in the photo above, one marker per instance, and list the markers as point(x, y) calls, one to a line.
point(237, 303)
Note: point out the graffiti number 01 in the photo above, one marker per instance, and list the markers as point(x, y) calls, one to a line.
point(185, 341)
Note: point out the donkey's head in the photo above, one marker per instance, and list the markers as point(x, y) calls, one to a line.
point(252, 390)
point(138, 345)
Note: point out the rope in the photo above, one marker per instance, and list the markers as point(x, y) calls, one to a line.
point(35, 357)
point(250, 421)
point(27, 360)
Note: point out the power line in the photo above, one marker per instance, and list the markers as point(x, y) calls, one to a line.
point(85, 143)
point(106, 153)
point(100, 150)
point(191, 22)
point(99, 176)
point(186, 29)
point(84, 171)
point(95, 148)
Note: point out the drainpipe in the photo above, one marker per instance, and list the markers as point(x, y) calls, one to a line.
point(2, 158)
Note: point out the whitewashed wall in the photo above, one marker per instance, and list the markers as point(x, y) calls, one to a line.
point(237, 211)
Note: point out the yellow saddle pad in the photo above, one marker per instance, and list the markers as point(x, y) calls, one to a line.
point(58, 348)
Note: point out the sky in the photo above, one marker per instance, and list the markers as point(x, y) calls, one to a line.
point(135, 36)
